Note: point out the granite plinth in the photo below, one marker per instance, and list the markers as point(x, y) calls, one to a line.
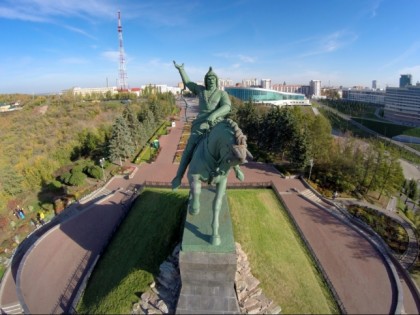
point(207, 271)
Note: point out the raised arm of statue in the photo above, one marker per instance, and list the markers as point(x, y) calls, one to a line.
point(184, 76)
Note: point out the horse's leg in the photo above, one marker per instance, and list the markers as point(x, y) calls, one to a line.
point(217, 205)
point(195, 186)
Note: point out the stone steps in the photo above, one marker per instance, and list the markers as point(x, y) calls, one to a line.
point(311, 196)
point(12, 309)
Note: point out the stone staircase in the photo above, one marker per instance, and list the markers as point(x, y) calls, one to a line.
point(96, 195)
point(311, 196)
point(12, 309)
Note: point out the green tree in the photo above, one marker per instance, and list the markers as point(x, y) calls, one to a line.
point(121, 145)
point(319, 133)
point(299, 150)
point(11, 181)
point(77, 178)
point(133, 125)
point(412, 192)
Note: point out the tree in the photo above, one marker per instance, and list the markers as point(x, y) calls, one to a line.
point(393, 176)
point(121, 145)
point(133, 125)
point(412, 192)
point(10, 181)
point(299, 150)
point(319, 129)
point(270, 138)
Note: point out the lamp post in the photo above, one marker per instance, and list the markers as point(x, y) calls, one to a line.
point(311, 164)
point(102, 162)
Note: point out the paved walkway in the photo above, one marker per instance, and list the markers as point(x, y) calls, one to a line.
point(50, 272)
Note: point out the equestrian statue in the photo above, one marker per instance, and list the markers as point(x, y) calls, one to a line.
point(216, 145)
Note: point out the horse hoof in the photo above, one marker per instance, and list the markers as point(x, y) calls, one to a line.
point(215, 240)
point(194, 211)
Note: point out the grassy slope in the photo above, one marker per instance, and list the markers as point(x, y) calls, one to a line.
point(276, 253)
point(144, 240)
point(261, 226)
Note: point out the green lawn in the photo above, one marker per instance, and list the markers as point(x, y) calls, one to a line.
point(152, 228)
point(277, 255)
point(388, 129)
point(144, 240)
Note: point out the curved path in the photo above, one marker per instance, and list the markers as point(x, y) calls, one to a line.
point(50, 273)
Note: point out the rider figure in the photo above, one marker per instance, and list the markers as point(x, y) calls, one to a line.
point(213, 105)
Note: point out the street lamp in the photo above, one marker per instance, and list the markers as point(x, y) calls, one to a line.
point(102, 162)
point(311, 164)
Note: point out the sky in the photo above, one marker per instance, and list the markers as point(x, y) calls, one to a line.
point(52, 45)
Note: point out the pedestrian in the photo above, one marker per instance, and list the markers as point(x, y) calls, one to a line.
point(21, 213)
point(40, 217)
point(16, 213)
point(34, 223)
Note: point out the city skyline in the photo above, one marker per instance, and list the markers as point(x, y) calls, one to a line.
point(56, 45)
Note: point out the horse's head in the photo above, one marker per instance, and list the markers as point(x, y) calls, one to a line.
point(232, 147)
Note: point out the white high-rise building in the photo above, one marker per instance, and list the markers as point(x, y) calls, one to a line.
point(266, 84)
point(315, 87)
point(250, 82)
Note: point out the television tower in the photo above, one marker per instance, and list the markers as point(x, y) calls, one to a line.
point(122, 71)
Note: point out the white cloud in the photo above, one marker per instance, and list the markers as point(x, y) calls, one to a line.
point(73, 60)
point(404, 55)
point(243, 58)
point(45, 10)
point(330, 42)
point(247, 59)
point(414, 71)
point(111, 55)
point(373, 10)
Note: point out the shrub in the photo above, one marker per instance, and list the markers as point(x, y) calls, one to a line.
point(77, 178)
point(55, 185)
point(94, 171)
point(64, 178)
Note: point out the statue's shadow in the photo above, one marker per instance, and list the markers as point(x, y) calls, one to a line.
point(193, 229)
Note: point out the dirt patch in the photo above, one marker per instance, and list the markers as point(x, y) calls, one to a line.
point(41, 109)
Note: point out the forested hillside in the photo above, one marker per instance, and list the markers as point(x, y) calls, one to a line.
point(53, 135)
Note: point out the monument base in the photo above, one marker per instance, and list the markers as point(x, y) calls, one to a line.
point(207, 271)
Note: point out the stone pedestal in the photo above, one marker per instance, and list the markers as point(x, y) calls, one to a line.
point(207, 271)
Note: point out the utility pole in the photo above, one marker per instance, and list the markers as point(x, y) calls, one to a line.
point(102, 162)
point(311, 164)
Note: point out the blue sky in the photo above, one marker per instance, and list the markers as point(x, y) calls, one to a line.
point(51, 45)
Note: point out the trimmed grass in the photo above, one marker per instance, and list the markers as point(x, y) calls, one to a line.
point(388, 129)
point(144, 240)
point(277, 255)
point(152, 228)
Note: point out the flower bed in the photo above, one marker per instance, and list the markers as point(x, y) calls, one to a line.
point(125, 170)
point(388, 229)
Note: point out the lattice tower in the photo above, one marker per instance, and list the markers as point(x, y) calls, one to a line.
point(123, 85)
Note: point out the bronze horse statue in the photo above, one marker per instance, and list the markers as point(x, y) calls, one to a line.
point(222, 148)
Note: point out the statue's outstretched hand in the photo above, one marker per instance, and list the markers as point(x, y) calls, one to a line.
point(179, 67)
